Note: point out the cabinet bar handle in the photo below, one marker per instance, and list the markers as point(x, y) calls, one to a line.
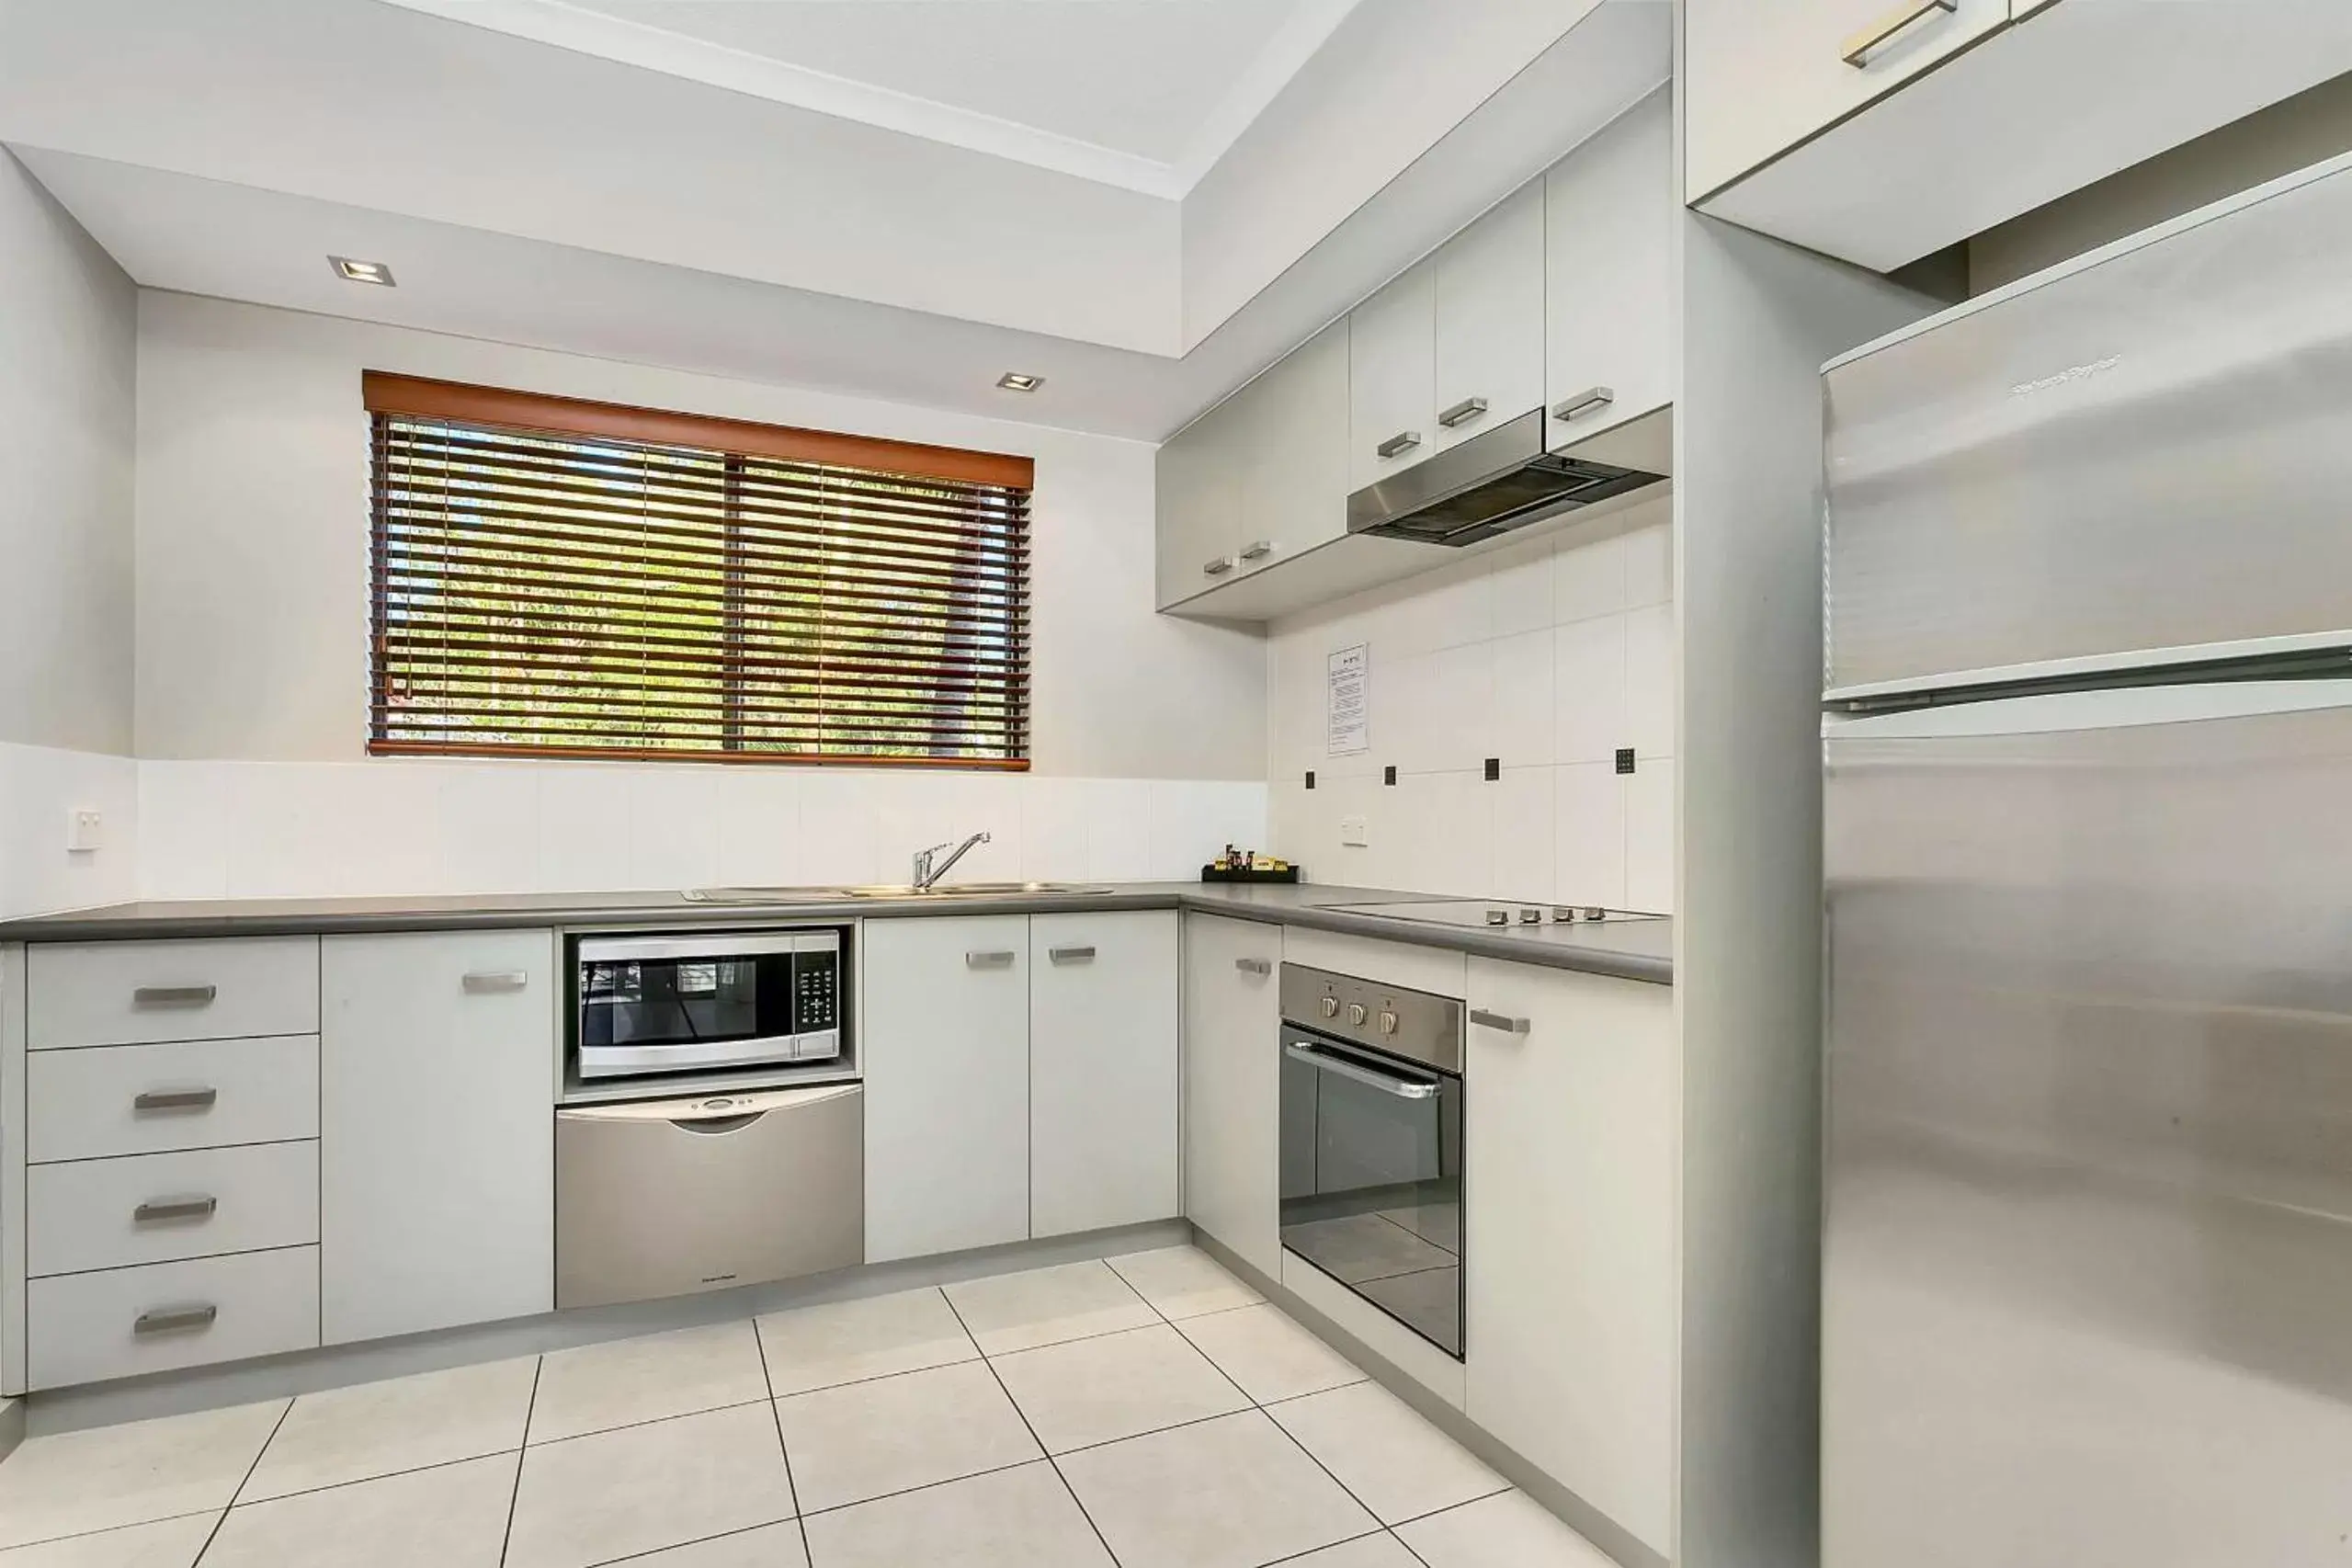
point(482, 981)
point(1584, 403)
point(1002, 957)
point(174, 1099)
point(173, 995)
point(1254, 966)
point(1219, 567)
point(161, 1209)
point(1463, 413)
point(1403, 441)
point(1859, 47)
point(1487, 1020)
point(1257, 550)
point(1070, 955)
point(176, 1319)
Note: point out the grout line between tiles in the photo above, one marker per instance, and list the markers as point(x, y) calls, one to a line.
point(530, 1407)
point(783, 1451)
point(215, 1534)
point(648, 1421)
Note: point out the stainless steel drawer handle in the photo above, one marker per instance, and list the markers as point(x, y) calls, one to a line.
point(1219, 567)
point(159, 1210)
point(1487, 1020)
point(1070, 955)
point(173, 995)
point(1403, 441)
point(486, 982)
point(1859, 47)
point(1371, 1078)
point(1001, 958)
point(174, 1099)
point(1257, 550)
point(1463, 413)
point(176, 1319)
point(1584, 403)
point(1254, 966)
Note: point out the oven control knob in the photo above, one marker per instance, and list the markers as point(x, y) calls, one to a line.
point(1356, 1014)
point(1388, 1022)
point(1331, 1007)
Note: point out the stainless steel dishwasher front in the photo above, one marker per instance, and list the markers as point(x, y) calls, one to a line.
point(665, 1198)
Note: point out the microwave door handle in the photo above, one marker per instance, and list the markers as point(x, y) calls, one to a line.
point(1323, 1061)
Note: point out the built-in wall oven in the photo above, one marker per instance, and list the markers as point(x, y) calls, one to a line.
point(700, 1001)
point(1371, 1144)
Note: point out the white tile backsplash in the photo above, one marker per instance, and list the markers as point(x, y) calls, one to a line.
point(40, 788)
point(1550, 656)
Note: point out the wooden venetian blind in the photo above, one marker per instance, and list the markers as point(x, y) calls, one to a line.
point(559, 578)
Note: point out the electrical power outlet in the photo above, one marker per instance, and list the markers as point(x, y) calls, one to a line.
point(85, 831)
point(1354, 832)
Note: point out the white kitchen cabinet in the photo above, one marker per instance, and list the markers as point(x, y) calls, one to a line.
point(1293, 440)
point(946, 1046)
point(1571, 1142)
point(1103, 1071)
point(1198, 486)
point(1609, 213)
point(1232, 1084)
point(436, 1161)
point(1765, 77)
point(1488, 342)
point(1392, 376)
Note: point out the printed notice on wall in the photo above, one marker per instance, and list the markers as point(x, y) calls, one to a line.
point(1347, 703)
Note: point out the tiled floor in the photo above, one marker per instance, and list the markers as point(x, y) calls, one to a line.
point(1146, 1413)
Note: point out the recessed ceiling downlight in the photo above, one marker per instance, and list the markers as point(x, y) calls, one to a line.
point(1013, 380)
point(353, 270)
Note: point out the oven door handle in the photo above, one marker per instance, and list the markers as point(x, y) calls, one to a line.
point(1324, 1062)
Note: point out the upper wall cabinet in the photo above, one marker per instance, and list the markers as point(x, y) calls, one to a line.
point(1392, 369)
point(1881, 130)
point(1608, 275)
point(1489, 292)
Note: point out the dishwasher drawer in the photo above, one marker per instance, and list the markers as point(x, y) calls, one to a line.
point(665, 1198)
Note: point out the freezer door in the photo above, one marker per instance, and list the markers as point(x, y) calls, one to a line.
point(2147, 453)
point(2088, 1252)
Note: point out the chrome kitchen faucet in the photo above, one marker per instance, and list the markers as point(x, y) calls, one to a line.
point(926, 873)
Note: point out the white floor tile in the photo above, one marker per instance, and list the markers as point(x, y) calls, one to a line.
point(369, 1430)
point(1022, 1517)
point(1232, 1493)
point(1268, 1355)
point(597, 1387)
point(166, 1543)
point(1510, 1530)
point(1182, 1281)
point(1381, 1550)
point(1045, 1306)
point(769, 1546)
point(889, 1434)
point(845, 1341)
point(1115, 1385)
point(1395, 1462)
point(77, 1482)
point(450, 1516)
point(588, 1500)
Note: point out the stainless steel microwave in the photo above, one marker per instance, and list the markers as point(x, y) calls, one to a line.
point(698, 1001)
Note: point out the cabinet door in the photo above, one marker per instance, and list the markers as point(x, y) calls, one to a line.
point(1571, 1147)
point(1294, 474)
point(1609, 304)
point(945, 1045)
point(1488, 337)
point(1103, 1141)
point(436, 1156)
point(1232, 1084)
point(1199, 488)
point(1763, 77)
point(1392, 375)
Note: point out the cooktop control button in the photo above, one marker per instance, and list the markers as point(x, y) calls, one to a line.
point(1356, 1014)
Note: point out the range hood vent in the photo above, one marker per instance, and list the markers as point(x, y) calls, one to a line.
point(1488, 485)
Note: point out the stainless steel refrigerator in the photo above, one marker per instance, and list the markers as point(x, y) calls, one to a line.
point(2087, 742)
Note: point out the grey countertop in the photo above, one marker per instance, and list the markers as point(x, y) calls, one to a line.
point(1633, 951)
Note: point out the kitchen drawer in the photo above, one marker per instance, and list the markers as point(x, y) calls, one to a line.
point(85, 1215)
point(199, 1093)
point(119, 1322)
point(131, 992)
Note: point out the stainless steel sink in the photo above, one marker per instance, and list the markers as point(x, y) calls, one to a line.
point(891, 889)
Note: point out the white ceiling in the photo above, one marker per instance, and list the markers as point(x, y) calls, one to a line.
point(1142, 94)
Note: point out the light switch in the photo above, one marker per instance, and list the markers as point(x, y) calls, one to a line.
point(1354, 831)
point(85, 831)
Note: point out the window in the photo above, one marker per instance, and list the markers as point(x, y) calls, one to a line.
point(558, 578)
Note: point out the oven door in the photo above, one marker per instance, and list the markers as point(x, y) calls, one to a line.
point(679, 1003)
point(1371, 1178)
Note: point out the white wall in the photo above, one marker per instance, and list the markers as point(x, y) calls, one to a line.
point(1149, 742)
point(1550, 656)
point(66, 410)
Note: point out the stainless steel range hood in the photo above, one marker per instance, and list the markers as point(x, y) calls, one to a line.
point(1505, 479)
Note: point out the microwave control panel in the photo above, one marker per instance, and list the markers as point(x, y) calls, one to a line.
point(816, 994)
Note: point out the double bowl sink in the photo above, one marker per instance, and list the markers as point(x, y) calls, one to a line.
point(948, 891)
